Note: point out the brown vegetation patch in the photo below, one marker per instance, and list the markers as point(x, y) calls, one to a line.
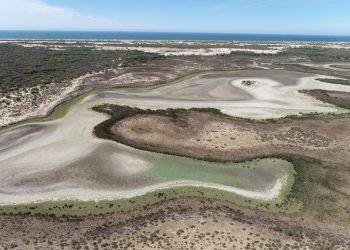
point(176, 224)
point(206, 135)
point(338, 98)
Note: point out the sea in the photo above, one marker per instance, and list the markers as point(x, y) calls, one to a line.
point(99, 35)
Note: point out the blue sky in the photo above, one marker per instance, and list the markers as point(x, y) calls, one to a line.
point(324, 17)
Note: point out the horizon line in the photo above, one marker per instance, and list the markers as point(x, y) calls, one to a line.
point(177, 32)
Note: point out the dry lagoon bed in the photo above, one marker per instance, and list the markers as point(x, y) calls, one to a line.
point(273, 95)
point(59, 159)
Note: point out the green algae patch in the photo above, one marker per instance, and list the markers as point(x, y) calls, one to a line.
point(256, 174)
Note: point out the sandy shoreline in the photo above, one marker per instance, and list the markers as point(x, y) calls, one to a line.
point(94, 195)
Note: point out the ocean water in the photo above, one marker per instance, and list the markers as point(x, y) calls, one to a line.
point(92, 35)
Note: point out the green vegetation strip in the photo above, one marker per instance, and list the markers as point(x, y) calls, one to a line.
point(335, 81)
point(312, 53)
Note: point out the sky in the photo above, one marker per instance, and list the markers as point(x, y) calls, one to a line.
point(312, 17)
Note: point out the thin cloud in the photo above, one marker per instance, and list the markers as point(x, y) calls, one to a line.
point(28, 14)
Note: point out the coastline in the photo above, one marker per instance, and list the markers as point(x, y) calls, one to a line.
point(129, 35)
